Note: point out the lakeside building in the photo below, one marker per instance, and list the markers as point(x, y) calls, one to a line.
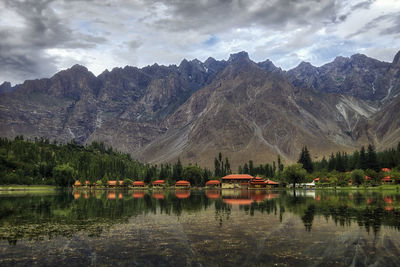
point(182, 184)
point(213, 184)
point(236, 181)
point(158, 183)
point(114, 183)
point(139, 184)
point(258, 183)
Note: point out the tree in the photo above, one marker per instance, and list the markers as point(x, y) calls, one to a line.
point(64, 175)
point(305, 160)
point(294, 174)
point(358, 177)
point(363, 159)
point(372, 159)
point(194, 174)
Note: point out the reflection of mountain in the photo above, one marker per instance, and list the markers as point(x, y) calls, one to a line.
point(35, 217)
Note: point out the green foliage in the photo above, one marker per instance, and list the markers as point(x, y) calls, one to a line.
point(294, 174)
point(64, 175)
point(194, 174)
point(127, 182)
point(305, 160)
point(358, 177)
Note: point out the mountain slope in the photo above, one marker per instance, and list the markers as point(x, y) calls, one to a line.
point(244, 109)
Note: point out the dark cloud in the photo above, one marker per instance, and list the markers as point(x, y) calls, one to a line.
point(22, 49)
point(220, 15)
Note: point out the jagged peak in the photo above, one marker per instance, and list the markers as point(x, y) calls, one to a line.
point(239, 56)
point(79, 67)
point(396, 59)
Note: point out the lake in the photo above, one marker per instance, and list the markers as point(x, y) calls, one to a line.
point(200, 228)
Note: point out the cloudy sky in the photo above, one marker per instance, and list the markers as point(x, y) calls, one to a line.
point(40, 37)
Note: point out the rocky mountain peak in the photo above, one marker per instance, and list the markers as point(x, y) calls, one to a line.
point(396, 60)
point(5, 87)
point(269, 66)
point(240, 56)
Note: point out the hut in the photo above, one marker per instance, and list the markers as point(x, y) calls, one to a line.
point(77, 184)
point(271, 183)
point(158, 183)
point(258, 183)
point(139, 184)
point(213, 184)
point(114, 183)
point(236, 181)
point(182, 184)
point(387, 180)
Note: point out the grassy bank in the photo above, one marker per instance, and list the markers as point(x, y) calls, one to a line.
point(28, 187)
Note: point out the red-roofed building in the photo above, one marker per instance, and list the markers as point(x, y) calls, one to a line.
point(182, 184)
point(386, 169)
point(159, 183)
point(236, 181)
point(77, 184)
point(139, 184)
point(258, 183)
point(367, 178)
point(316, 180)
point(114, 183)
point(271, 183)
point(213, 183)
point(387, 179)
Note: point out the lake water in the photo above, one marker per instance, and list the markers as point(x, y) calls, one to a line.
point(200, 228)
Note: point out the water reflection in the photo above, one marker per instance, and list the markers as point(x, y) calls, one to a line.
point(96, 211)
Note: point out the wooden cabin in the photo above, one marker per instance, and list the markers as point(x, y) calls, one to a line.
point(182, 184)
point(271, 183)
point(387, 180)
point(158, 183)
point(236, 181)
point(114, 183)
point(213, 184)
point(77, 184)
point(258, 183)
point(139, 184)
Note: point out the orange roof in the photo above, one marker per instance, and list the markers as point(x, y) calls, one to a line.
point(386, 169)
point(87, 182)
point(237, 176)
point(213, 182)
point(234, 201)
point(271, 182)
point(77, 183)
point(157, 182)
point(112, 182)
point(388, 200)
point(367, 178)
point(182, 182)
point(316, 179)
point(387, 178)
point(136, 183)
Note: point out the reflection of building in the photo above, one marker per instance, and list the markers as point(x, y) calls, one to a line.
point(236, 181)
point(182, 194)
point(158, 195)
point(213, 183)
point(139, 194)
point(213, 193)
point(182, 184)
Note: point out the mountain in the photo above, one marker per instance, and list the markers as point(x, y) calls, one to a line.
point(245, 110)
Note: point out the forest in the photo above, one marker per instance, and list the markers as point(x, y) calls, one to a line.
point(40, 161)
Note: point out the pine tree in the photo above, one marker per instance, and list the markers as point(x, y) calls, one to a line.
point(305, 159)
point(372, 159)
point(363, 159)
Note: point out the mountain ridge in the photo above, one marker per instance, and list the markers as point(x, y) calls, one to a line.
point(245, 109)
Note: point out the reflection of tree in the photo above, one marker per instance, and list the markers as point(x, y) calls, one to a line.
point(222, 211)
point(308, 217)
